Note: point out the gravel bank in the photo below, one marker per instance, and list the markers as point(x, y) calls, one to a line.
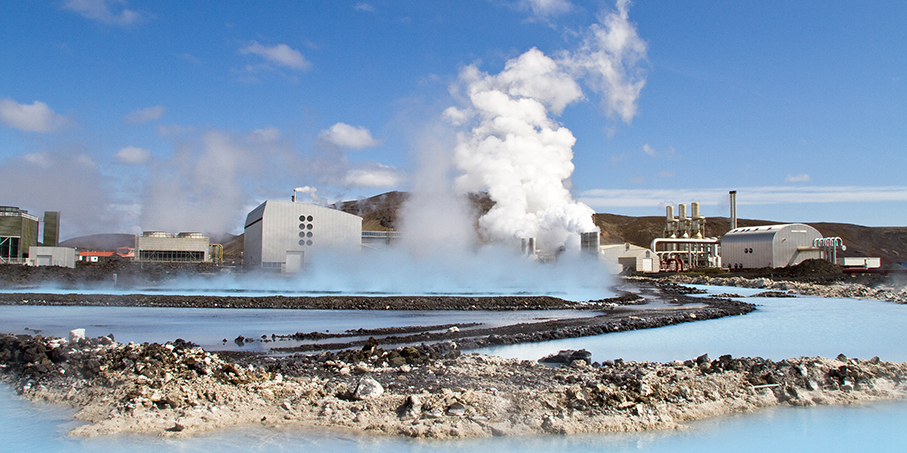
point(427, 391)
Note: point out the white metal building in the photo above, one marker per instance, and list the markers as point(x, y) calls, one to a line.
point(633, 257)
point(51, 256)
point(284, 235)
point(769, 246)
point(159, 246)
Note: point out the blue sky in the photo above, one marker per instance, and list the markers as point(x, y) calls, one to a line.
point(182, 116)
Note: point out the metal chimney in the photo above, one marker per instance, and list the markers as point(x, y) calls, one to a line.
point(733, 195)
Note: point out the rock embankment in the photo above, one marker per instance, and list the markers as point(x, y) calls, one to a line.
point(837, 289)
point(426, 391)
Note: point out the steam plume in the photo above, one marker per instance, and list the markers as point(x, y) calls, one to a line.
point(515, 149)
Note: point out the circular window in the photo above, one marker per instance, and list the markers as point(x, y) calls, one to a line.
point(302, 218)
point(309, 218)
point(309, 226)
point(301, 226)
point(302, 234)
point(309, 242)
point(302, 242)
point(308, 235)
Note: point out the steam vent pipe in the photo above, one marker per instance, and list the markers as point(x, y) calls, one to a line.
point(733, 194)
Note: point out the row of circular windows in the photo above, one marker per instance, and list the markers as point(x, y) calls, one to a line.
point(305, 242)
point(304, 234)
point(305, 226)
point(303, 218)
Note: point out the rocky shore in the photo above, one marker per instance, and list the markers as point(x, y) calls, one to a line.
point(891, 291)
point(435, 391)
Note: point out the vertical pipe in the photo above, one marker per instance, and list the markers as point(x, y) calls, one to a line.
point(733, 195)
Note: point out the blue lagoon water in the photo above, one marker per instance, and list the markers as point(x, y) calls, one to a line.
point(779, 328)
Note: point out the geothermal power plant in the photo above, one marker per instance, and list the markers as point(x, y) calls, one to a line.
point(286, 236)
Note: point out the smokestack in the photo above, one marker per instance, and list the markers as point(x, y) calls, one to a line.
point(733, 195)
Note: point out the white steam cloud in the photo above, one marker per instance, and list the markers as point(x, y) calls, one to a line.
point(518, 152)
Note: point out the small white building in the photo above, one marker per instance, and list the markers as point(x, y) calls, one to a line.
point(633, 257)
point(52, 256)
point(859, 262)
point(284, 235)
point(769, 246)
point(158, 246)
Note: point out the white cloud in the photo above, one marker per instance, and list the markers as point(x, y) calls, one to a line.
point(107, 11)
point(85, 160)
point(601, 198)
point(365, 7)
point(612, 56)
point(133, 155)
point(666, 174)
point(145, 115)
point(346, 136)
point(267, 134)
point(37, 117)
point(797, 178)
point(649, 150)
point(375, 175)
point(545, 9)
point(280, 54)
point(42, 160)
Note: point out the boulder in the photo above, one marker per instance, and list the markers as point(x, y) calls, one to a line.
point(568, 356)
point(76, 334)
point(368, 388)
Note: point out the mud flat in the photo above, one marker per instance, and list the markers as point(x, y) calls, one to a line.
point(430, 391)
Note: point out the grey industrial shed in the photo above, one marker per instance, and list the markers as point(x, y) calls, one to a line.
point(768, 246)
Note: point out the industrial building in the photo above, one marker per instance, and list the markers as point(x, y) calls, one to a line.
point(52, 256)
point(18, 232)
point(283, 236)
point(631, 257)
point(159, 246)
point(683, 244)
point(769, 246)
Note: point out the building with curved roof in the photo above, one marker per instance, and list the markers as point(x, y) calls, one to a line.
point(769, 246)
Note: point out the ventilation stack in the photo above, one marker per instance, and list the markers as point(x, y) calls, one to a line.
point(733, 195)
point(527, 245)
point(670, 222)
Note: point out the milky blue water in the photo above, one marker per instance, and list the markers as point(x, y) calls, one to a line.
point(208, 327)
point(779, 328)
